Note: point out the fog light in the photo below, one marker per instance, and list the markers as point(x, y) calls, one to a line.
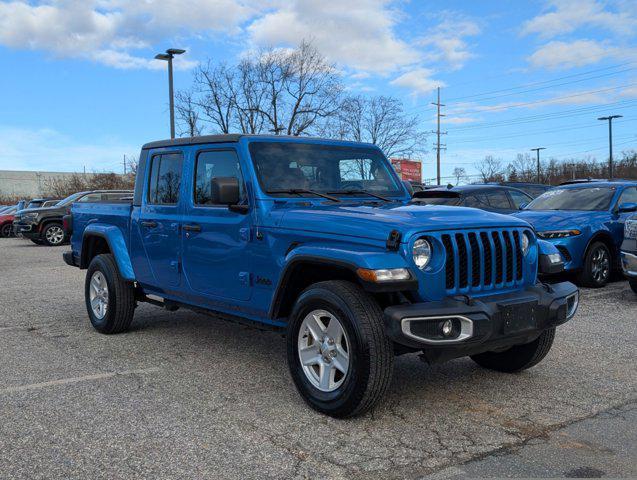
point(447, 328)
point(554, 258)
point(572, 303)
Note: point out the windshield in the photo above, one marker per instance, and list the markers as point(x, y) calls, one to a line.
point(322, 168)
point(589, 199)
point(70, 199)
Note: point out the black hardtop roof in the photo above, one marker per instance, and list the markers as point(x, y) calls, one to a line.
point(235, 137)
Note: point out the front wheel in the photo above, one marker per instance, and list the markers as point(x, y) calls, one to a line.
point(110, 300)
point(6, 230)
point(339, 357)
point(597, 266)
point(633, 284)
point(518, 357)
point(54, 235)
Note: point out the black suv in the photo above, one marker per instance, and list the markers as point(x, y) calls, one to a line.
point(494, 198)
point(44, 225)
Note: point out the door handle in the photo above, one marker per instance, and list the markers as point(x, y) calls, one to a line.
point(192, 228)
point(150, 224)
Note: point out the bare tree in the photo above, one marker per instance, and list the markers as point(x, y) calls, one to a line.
point(490, 169)
point(187, 114)
point(460, 173)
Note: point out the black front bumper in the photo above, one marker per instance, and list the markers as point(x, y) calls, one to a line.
point(27, 230)
point(486, 323)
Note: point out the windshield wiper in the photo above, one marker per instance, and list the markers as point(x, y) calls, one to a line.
point(361, 192)
point(301, 191)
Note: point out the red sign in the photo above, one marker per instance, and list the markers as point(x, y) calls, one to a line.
point(410, 170)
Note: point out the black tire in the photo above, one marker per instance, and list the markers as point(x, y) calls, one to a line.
point(121, 296)
point(518, 357)
point(371, 352)
point(47, 234)
point(633, 284)
point(6, 230)
point(588, 276)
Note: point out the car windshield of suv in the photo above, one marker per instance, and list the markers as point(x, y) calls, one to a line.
point(324, 169)
point(70, 199)
point(589, 199)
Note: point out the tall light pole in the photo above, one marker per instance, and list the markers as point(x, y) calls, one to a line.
point(537, 151)
point(610, 142)
point(168, 56)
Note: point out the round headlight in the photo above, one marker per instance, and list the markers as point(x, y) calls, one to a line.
point(421, 252)
point(526, 241)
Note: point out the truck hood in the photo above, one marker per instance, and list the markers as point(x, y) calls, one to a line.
point(377, 222)
point(543, 220)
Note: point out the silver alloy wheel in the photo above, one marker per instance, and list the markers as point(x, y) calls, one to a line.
point(324, 350)
point(54, 235)
point(600, 265)
point(98, 295)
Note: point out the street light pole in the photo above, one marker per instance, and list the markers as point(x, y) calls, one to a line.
point(168, 56)
point(610, 142)
point(537, 151)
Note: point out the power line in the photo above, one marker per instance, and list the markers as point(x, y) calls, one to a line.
point(536, 102)
point(545, 82)
point(547, 116)
point(537, 132)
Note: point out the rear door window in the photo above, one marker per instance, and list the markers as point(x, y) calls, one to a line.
point(165, 179)
point(629, 195)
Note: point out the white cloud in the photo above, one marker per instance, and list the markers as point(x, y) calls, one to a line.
point(562, 55)
point(47, 149)
point(566, 16)
point(358, 33)
point(109, 31)
point(446, 41)
point(418, 80)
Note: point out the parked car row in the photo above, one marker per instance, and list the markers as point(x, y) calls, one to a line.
point(583, 219)
point(41, 221)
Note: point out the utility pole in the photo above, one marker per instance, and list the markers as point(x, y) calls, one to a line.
point(537, 151)
point(610, 142)
point(438, 133)
point(168, 56)
point(124, 164)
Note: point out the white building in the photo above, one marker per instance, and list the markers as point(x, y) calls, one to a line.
point(14, 183)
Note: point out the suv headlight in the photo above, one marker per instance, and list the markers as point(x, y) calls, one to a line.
point(558, 234)
point(526, 241)
point(421, 252)
point(630, 229)
point(29, 216)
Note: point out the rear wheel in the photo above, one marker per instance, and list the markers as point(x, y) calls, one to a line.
point(633, 284)
point(338, 354)
point(518, 357)
point(54, 234)
point(6, 230)
point(110, 300)
point(597, 266)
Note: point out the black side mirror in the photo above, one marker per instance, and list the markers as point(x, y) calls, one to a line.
point(225, 191)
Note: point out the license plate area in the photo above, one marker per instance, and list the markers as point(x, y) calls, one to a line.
point(518, 317)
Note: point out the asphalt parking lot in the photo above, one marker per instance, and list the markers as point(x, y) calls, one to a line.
point(185, 395)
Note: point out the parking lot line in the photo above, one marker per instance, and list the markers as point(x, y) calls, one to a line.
point(87, 378)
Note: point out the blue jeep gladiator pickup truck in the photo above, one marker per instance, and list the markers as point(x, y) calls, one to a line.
point(317, 237)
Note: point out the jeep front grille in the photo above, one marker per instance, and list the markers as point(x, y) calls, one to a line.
point(482, 260)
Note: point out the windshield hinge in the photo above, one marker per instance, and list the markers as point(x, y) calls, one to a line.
point(393, 241)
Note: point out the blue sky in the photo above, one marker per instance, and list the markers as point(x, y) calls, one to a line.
point(80, 89)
